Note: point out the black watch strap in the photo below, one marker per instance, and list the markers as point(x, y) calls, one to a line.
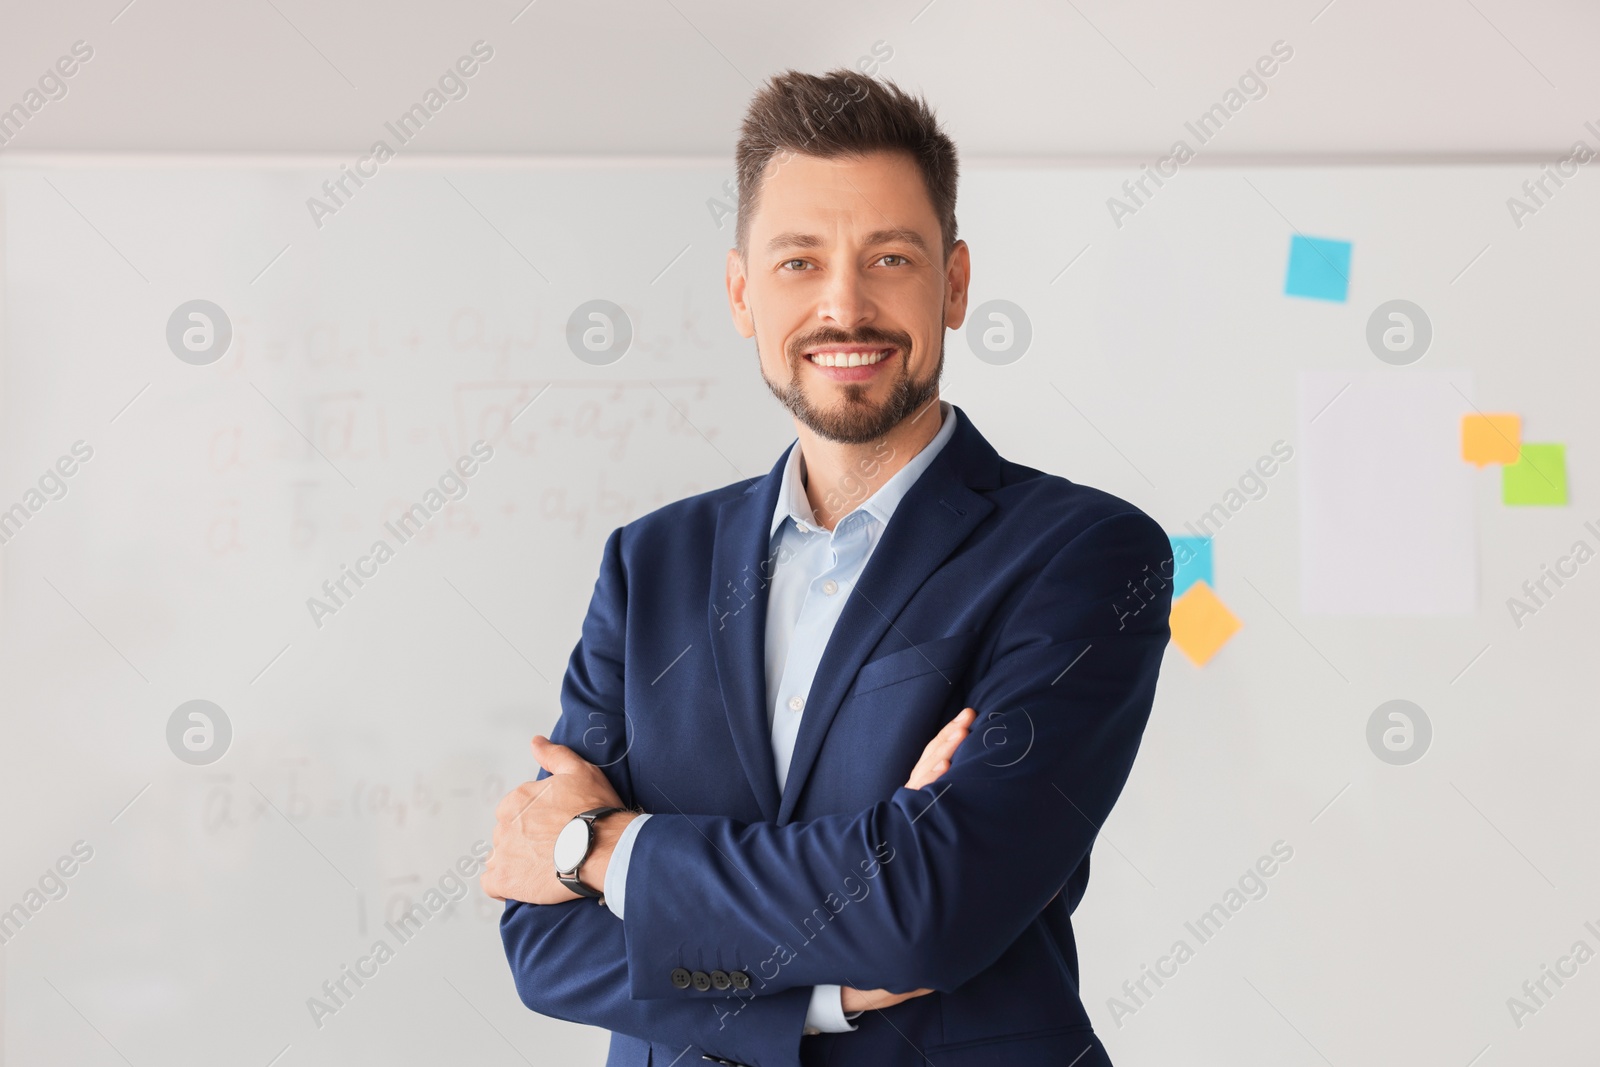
point(573, 881)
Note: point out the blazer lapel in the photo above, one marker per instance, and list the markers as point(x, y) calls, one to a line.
point(741, 571)
point(938, 513)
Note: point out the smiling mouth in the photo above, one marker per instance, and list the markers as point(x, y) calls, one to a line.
point(862, 357)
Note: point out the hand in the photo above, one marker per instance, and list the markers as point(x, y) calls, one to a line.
point(528, 819)
point(937, 755)
point(934, 762)
point(856, 1000)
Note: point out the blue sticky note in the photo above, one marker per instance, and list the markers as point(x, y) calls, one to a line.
point(1191, 562)
point(1319, 267)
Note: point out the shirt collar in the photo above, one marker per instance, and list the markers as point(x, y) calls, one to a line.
point(792, 501)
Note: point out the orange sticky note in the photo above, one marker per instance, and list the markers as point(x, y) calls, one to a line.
point(1489, 439)
point(1201, 623)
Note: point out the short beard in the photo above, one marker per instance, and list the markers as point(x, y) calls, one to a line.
point(858, 422)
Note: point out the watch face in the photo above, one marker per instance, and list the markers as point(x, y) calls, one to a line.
point(571, 844)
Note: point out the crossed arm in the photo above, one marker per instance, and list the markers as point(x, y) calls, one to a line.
point(532, 932)
point(958, 870)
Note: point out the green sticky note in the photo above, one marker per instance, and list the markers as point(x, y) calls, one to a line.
point(1539, 476)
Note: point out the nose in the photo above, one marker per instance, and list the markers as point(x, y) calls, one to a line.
point(845, 302)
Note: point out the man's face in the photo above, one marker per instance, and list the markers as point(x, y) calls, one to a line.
point(844, 266)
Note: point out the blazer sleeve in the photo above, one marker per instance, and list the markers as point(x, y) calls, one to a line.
point(927, 888)
point(569, 960)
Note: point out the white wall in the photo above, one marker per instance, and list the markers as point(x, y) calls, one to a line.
point(1089, 78)
point(1409, 914)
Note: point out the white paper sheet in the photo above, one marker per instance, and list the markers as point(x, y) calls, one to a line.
point(1387, 524)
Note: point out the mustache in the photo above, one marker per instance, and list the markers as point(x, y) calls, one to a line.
point(867, 338)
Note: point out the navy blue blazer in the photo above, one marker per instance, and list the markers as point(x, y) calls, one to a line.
point(1037, 601)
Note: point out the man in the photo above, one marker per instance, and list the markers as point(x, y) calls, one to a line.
point(814, 863)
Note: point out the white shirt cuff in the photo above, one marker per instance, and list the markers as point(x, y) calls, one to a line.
point(826, 1011)
point(616, 886)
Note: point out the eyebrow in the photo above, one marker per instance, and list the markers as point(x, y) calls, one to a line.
point(876, 237)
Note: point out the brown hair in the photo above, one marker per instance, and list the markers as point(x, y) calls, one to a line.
point(840, 114)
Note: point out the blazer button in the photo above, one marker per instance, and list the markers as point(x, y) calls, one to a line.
point(720, 979)
point(680, 978)
point(739, 979)
point(702, 980)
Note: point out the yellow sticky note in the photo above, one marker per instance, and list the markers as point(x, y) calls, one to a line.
point(1489, 439)
point(1201, 623)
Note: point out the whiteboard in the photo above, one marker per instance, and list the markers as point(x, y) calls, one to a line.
point(368, 746)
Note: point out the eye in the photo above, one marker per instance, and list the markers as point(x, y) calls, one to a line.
point(786, 263)
point(894, 255)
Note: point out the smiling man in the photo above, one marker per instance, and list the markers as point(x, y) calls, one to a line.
point(835, 743)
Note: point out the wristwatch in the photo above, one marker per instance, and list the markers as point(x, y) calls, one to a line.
point(573, 845)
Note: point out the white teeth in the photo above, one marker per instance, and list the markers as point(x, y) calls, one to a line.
point(849, 359)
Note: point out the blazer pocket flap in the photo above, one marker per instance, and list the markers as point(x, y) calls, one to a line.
point(942, 654)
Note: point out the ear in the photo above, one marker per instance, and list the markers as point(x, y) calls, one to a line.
point(957, 274)
point(743, 321)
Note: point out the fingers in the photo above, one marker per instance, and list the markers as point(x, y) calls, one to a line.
point(924, 772)
point(519, 800)
point(515, 802)
point(944, 744)
point(938, 753)
point(557, 759)
point(489, 881)
point(875, 999)
point(957, 727)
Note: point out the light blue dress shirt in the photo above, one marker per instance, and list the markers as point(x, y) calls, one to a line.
point(813, 574)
